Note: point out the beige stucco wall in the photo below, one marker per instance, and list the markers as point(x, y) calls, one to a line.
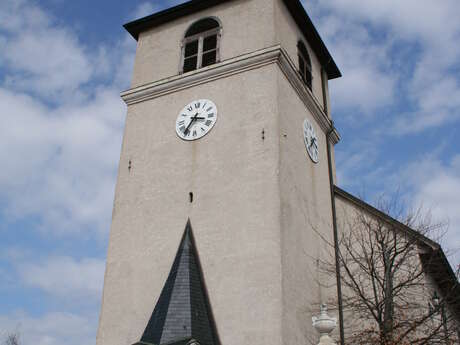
point(233, 174)
point(306, 223)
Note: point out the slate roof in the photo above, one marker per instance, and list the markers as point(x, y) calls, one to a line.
point(294, 7)
point(183, 313)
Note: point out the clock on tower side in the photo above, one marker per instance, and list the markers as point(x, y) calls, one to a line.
point(257, 204)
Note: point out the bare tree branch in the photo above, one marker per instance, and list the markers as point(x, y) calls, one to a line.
point(12, 339)
point(388, 294)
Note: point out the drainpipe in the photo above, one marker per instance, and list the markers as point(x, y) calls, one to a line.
point(336, 236)
point(334, 213)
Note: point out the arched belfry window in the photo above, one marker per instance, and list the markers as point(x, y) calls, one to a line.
point(304, 64)
point(200, 47)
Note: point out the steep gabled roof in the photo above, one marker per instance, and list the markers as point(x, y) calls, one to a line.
point(183, 313)
point(295, 8)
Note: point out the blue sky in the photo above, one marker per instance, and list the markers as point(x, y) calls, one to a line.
point(62, 66)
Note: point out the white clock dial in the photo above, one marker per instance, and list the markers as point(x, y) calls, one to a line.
point(196, 119)
point(311, 141)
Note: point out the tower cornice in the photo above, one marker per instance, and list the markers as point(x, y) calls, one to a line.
point(272, 55)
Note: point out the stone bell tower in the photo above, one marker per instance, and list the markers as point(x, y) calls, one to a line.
point(223, 201)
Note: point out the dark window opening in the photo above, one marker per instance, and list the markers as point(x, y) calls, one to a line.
point(209, 58)
point(190, 64)
point(191, 48)
point(202, 26)
point(210, 43)
point(305, 65)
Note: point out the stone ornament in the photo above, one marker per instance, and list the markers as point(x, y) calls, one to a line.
point(324, 324)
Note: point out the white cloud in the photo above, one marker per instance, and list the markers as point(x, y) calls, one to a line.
point(352, 160)
point(368, 83)
point(41, 57)
point(65, 277)
point(366, 87)
point(54, 328)
point(74, 284)
point(59, 164)
point(61, 122)
point(31, 16)
point(439, 104)
point(407, 18)
point(436, 186)
point(385, 48)
point(123, 72)
point(48, 61)
point(147, 8)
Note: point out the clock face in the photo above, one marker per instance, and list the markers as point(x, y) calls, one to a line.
point(311, 141)
point(196, 119)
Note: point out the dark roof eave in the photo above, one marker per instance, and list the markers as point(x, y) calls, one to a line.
point(294, 6)
point(156, 19)
point(305, 24)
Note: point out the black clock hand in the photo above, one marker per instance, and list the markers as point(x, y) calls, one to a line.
point(191, 122)
point(196, 117)
point(188, 127)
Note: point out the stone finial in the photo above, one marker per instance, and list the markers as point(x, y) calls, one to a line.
point(324, 324)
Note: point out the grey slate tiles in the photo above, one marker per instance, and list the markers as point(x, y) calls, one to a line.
point(182, 314)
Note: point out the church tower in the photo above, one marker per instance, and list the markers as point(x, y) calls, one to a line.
point(222, 208)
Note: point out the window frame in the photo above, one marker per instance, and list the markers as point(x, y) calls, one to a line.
point(200, 37)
